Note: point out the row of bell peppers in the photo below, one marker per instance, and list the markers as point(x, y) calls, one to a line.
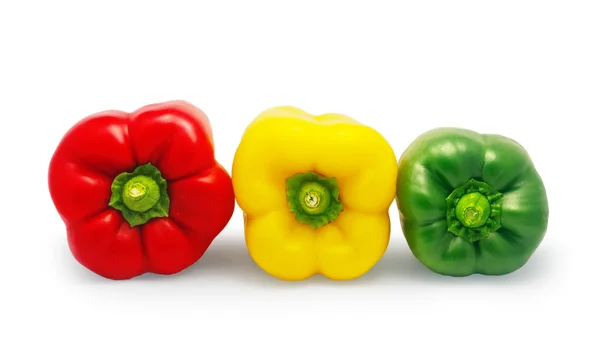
point(142, 192)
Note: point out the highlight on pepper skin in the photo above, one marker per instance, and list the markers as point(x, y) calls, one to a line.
point(140, 192)
point(315, 192)
point(470, 203)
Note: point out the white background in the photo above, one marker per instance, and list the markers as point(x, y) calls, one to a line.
point(529, 70)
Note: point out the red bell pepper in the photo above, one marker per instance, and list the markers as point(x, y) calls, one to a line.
point(140, 192)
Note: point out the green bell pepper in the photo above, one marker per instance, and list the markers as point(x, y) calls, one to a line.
point(470, 203)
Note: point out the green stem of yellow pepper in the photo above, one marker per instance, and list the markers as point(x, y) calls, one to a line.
point(313, 199)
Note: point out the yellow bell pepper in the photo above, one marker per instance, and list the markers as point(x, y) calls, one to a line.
point(315, 192)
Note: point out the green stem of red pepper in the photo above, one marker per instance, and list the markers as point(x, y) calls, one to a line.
point(140, 195)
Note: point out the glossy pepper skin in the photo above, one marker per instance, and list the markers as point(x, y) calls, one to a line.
point(315, 192)
point(163, 220)
point(470, 203)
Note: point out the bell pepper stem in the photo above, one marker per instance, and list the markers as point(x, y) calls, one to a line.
point(313, 199)
point(140, 195)
point(473, 210)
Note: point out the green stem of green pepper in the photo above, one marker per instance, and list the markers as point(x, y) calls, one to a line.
point(473, 210)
